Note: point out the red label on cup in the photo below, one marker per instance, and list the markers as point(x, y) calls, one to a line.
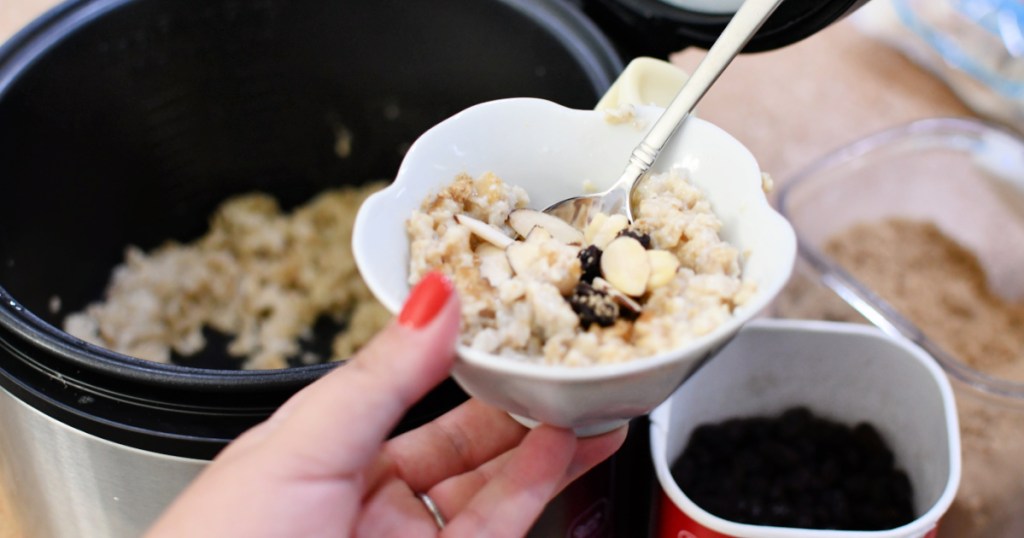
point(673, 523)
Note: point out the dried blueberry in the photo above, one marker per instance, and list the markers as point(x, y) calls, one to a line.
point(795, 470)
point(590, 263)
point(593, 306)
point(643, 238)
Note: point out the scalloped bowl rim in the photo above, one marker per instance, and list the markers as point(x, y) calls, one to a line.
point(765, 292)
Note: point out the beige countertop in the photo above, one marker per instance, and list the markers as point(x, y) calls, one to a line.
point(788, 106)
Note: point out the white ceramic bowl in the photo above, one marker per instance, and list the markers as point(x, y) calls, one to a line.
point(550, 151)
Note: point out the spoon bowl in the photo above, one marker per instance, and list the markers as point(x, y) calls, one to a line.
point(552, 152)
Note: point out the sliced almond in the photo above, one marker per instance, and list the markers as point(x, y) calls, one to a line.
point(525, 220)
point(625, 265)
point(494, 265)
point(593, 226)
point(542, 257)
point(538, 235)
point(485, 231)
point(664, 265)
point(623, 300)
point(523, 257)
point(609, 230)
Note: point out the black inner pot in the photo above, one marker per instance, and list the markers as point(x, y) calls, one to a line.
point(126, 122)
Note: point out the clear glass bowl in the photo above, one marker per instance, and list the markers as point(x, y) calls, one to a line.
point(967, 178)
point(975, 46)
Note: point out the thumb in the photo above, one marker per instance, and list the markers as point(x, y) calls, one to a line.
point(339, 422)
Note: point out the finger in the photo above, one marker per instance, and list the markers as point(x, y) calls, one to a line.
point(250, 439)
point(337, 424)
point(459, 441)
point(454, 494)
point(510, 502)
point(591, 451)
point(394, 510)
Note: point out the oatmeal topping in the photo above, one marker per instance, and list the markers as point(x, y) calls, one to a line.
point(593, 306)
point(536, 288)
point(625, 265)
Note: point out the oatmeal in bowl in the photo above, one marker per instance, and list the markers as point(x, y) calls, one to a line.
point(536, 289)
point(582, 328)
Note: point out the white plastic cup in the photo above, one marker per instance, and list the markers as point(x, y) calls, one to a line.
point(845, 372)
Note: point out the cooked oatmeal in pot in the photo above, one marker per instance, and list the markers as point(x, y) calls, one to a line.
point(261, 276)
point(535, 288)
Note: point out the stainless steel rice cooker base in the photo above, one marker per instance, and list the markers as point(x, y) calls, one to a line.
point(94, 487)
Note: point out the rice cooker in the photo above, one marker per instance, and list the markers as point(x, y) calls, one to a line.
point(126, 122)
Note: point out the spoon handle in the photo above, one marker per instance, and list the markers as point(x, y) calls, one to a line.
point(744, 24)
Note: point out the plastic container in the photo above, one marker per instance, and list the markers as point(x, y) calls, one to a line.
point(840, 371)
point(966, 178)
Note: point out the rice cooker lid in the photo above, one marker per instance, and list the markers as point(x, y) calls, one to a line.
point(661, 27)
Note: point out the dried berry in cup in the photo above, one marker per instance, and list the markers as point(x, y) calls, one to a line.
point(795, 470)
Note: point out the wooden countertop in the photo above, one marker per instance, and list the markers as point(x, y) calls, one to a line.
point(788, 106)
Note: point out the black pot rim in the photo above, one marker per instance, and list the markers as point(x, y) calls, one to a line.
point(79, 353)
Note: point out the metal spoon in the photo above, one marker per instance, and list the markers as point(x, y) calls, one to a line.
point(744, 24)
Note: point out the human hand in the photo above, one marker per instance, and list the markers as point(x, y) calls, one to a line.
point(322, 465)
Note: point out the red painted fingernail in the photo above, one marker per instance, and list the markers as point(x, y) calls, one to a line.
point(425, 301)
